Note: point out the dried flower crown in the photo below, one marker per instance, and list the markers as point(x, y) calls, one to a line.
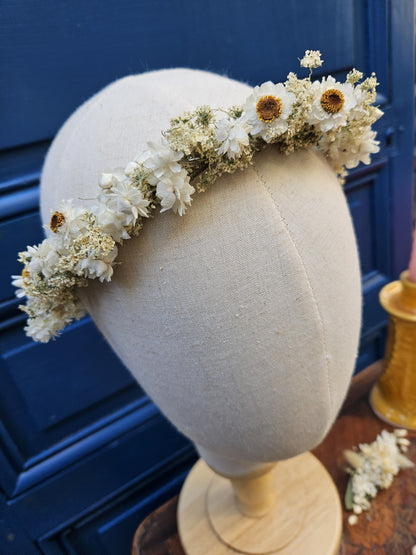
point(331, 117)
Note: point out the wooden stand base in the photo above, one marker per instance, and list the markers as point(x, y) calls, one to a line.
point(306, 518)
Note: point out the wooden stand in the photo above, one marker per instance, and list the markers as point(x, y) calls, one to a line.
point(305, 518)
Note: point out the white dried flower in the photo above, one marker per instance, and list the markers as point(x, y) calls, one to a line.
point(161, 159)
point(348, 148)
point(43, 258)
point(42, 328)
point(403, 441)
point(106, 180)
point(131, 168)
point(119, 207)
point(68, 220)
point(332, 102)
point(131, 195)
point(267, 110)
point(311, 59)
point(45, 326)
point(373, 468)
point(352, 520)
point(110, 220)
point(354, 459)
point(175, 192)
point(233, 135)
point(353, 76)
point(101, 268)
point(17, 281)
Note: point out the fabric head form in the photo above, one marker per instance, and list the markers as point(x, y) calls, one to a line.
point(241, 320)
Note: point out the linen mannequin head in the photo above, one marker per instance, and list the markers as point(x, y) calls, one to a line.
point(241, 320)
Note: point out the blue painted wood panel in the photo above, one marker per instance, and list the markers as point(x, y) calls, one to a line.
point(55, 55)
point(13, 539)
point(84, 454)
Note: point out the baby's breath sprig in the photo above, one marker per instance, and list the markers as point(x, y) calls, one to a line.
point(372, 467)
point(330, 117)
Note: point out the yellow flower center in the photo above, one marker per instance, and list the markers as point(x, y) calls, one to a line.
point(332, 101)
point(25, 274)
point(269, 108)
point(57, 220)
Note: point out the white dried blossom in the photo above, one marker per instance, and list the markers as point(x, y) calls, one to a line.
point(18, 282)
point(106, 180)
point(111, 221)
point(94, 267)
point(131, 195)
point(311, 59)
point(267, 110)
point(372, 468)
point(349, 149)
point(43, 257)
point(233, 135)
point(131, 168)
point(352, 520)
point(175, 192)
point(119, 207)
point(68, 220)
point(354, 76)
point(332, 102)
point(45, 326)
point(161, 159)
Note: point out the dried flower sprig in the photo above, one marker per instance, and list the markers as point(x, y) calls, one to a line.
point(372, 468)
point(330, 117)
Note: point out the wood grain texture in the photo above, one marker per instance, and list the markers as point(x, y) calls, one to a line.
point(306, 517)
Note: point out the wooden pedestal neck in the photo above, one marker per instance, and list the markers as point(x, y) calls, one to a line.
point(294, 505)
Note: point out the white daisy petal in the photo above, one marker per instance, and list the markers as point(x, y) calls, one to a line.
point(332, 103)
point(267, 110)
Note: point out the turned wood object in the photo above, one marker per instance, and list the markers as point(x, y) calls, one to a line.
point(293, 507)
point(393, 397)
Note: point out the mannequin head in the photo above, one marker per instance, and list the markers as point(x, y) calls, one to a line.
point(241, 320)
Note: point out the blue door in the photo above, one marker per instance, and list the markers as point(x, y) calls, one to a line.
point(84, 454)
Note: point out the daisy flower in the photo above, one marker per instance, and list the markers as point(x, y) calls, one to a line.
point(68, 220)
point(267, 110)
point(332, 102)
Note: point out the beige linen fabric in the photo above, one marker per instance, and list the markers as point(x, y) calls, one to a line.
point(241, 319)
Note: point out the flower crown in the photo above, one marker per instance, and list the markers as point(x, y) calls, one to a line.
point(331, 117)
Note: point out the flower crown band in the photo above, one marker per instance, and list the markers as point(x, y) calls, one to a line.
point(330, 117)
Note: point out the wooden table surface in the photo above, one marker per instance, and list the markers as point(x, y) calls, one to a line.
point(389, 528)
